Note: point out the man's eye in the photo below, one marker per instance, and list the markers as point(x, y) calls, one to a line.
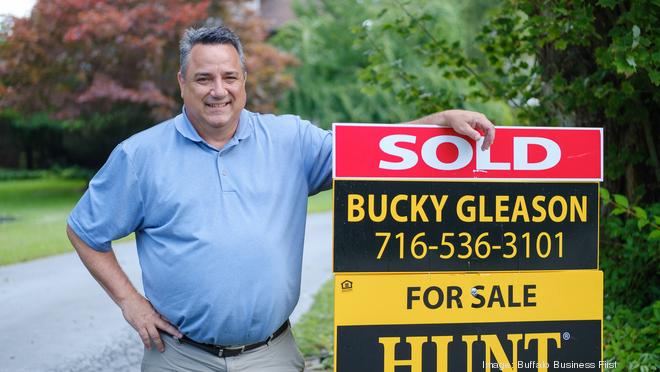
point(203, 80)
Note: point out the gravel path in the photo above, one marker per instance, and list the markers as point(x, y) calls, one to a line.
point(54, 317)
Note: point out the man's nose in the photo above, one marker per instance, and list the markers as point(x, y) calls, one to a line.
point(218, 89)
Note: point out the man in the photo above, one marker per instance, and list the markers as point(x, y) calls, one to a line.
point(217, 197)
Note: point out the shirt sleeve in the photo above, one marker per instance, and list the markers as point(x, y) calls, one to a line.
point(112, 206)
point(317, 156)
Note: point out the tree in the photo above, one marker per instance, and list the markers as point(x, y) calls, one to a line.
point(328, 85)
point(328, 88)
point(92, 63)
point(568, 63)
point(556, 63)
point(75, 58)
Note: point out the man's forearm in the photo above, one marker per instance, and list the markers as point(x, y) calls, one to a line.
point(437, 118)
point(464, 122)
point(105, 269)
point(137, 310)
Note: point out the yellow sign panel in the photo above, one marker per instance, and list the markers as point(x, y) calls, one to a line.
point(429, 298)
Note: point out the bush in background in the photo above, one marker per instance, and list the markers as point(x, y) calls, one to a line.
point(334, 60)
point(67, 173)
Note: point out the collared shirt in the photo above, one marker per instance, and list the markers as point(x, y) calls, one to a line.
point(219, 232)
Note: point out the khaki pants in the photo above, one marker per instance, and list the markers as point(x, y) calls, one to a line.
point(280, 355)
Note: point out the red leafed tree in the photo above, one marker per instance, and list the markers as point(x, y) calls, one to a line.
point(74, 58)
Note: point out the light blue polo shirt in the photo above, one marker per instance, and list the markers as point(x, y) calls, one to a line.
point(219, 233)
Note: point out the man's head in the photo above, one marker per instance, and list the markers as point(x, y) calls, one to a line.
point(212, 79)
point(208, 36)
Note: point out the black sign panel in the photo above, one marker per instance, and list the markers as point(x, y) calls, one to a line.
point(463, 226)
point(525, 346)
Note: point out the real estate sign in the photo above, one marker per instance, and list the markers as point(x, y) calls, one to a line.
point(450, 258)
point(369, 151)
point(468, 322)
point(385, 226)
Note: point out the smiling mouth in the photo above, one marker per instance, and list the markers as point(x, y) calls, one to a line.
point(217, 105)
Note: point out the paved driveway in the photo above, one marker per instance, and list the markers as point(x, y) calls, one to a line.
point(55, 317)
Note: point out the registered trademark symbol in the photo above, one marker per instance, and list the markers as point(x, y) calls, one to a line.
point(566, 336)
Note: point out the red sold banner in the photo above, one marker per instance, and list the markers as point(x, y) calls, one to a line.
point(426, 152)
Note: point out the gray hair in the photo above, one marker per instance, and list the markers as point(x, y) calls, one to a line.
point(208, 36)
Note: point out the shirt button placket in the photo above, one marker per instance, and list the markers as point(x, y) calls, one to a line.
point(221, 172)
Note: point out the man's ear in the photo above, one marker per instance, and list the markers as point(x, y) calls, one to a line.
point(182, 81)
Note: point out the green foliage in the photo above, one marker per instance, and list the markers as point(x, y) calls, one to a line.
point(21, 174)
point(631, 337)
point(327, 86)
point(595, 57)
point(570, 63)
point(423, 54)
point(629, 257)
point(32, 139)
point(558, 62)
point(68, 173)
point(38, 141)
point(592, 65)
point(645, 221)
point(335, 42)
point(630, 251)
point(88, 141)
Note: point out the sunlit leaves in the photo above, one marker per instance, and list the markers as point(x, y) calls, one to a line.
point(427, 62)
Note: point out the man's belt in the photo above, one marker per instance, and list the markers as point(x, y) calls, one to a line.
point(224, 351)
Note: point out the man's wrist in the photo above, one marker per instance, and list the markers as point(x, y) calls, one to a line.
point(130, 297)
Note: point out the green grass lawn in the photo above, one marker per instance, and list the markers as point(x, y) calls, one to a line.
point(33, 216)
point(314, 331)
point(320, 202)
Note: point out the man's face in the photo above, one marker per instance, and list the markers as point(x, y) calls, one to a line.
point(213, 88)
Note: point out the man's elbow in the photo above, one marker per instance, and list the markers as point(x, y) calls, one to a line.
point(75, 240)
point(71, 234)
